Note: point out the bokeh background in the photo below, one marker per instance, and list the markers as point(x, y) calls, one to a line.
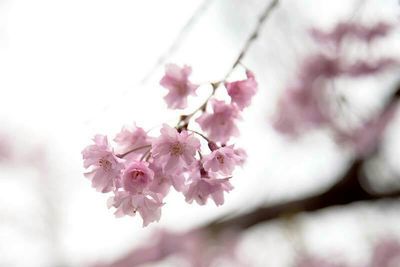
point(71, 69)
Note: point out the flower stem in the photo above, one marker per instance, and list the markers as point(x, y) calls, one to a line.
point(132, 150)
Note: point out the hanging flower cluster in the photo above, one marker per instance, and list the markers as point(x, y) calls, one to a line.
point(140, 169)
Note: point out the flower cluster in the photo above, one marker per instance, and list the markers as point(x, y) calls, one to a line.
point(140, 169)
point(305, 104)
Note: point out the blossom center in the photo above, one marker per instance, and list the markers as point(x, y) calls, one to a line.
point(176, 149)
point(137, 175)
point(105, 164)
point(220, 159)
point(182, 90)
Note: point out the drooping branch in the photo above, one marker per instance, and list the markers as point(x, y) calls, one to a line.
point(348, 189)
point(254, 34)
point(178, 40)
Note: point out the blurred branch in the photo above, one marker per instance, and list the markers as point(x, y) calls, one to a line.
point(254, 34)
point(349, 188)
point(177, 41)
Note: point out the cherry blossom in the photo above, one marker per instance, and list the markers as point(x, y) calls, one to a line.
point(163, 181)
point(221, 123)
point(364, 138)
point(105, 166)
point(176, 80)
point(203, 185)
point(222, 160)
point(347, 29)
point(175, 150)
point(137, 177)
point(132, 138)
point(141, 174)
point(241, 92)
point(148, 206)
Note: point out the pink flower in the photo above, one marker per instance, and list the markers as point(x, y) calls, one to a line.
point(241, 92)
point(366, 138)
point(386, 253)
point(175, 150)
point(312, 261)
point(137, 177)
point(132, 138)
point(361, 67)
point(201, 189)
point(148, 206)
point(105, 166)
point(176, 80)
point(163, 181)
point(220, 125)
point(343, 30)
point(203, 185)
point(300, 109)
point(222, 160)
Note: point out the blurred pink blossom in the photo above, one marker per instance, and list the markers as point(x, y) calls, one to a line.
point(312, 261)
point(386, 253)
point(350, 29)
point(365, 138)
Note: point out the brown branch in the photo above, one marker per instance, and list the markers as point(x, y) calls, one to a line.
point(347, 190)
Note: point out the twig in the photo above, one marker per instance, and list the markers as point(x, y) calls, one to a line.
point(184, 119)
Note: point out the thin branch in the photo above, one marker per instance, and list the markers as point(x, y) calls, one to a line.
point(184, 119)
point(254, 34)
point(178, 40)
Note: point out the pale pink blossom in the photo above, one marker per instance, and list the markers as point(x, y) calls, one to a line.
point(163, 181)
point(202, 189)
point(241, 92)
point(386, 253)
point(350, 29)
point(148, 205)
point(174, 150)
point(204, 185)
point(299, 109)
point(176, 80)
point(195, 247)
point(312, 261)
point(137, 177)
point(221, 123)
point(222, 160)
point(105, 167)
point(132, 138)
point(365, 138)
point(363, 68)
